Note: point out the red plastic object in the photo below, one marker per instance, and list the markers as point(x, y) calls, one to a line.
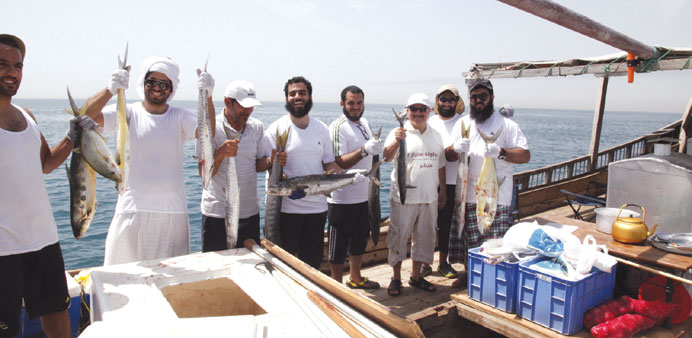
point(654, 289)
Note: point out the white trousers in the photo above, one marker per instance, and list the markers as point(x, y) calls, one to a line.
point(418, 221)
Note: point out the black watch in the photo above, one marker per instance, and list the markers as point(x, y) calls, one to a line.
point(503, 154)
point(363, 153)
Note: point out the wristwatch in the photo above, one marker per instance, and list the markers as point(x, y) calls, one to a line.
point(503, 154)
point(363, 153)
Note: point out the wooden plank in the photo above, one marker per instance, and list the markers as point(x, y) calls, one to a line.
point(598, 123)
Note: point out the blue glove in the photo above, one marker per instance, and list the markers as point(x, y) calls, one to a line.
point(297, 194)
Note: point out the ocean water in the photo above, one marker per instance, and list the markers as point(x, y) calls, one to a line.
point(553, 136)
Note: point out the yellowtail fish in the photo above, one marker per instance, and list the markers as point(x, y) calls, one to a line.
point(374, 213)
point(487, 189)
point(82, 193)
point(93, 148)
point(272, 209)
point(122, 141)
point(459, 216)
point(232, 194)
point(204, 146)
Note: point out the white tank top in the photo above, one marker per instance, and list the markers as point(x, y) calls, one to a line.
point(26, 220)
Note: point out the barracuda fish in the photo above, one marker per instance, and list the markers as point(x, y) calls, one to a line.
point(122, 141)
point(232, 195)
point(487, 189)
point(401, 161)
point(374, 197)
point(272, 209)
point(322, 184)
point(82, 193)
point(93, 148)
point(459, 218)
point(205, 142)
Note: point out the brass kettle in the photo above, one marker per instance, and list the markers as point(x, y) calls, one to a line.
point(631, 230)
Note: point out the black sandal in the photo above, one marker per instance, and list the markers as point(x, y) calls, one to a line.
point(422, 284)
point(394, 288)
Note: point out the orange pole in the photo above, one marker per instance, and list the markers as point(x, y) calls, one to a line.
point(630, 68)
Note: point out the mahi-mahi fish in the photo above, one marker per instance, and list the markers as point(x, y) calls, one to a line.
point(401, 161)
point(487, 188)
point(232, 195)
point(206, 150)
point(459, 216)
point(82, 193)
point(272, 209)
point(374, 197)
point(93, 148)
point(122, 141)
point(322, 184)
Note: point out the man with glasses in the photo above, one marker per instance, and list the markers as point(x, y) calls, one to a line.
point(509, 148)
point(449, 107)
point(425, 174)
point(151, 218)
point(354, 147)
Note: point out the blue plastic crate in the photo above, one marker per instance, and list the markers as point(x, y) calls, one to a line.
point(32, 327)
point(492, 284)
point(557, 303)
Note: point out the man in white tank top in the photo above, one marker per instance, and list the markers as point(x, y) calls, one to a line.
point(29, 250)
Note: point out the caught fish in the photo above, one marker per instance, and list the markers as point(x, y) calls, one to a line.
point(459, 216)
point(82, 193)
point(206, 149)
point(487, 189)
point(232, 195)
point(374, 197)
point(122, 141)
point(401, 162)
point(272, 209)
point(93, 148)
point(317, 184)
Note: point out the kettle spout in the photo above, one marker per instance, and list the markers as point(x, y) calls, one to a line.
point(650, 233)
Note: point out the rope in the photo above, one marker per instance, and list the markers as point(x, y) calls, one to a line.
point(550, 71)
point(687, 63)
point(586, 68)
point(607, 67)
point(650, 63)
point(521, 70)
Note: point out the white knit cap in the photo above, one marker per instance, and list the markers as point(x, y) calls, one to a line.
point(163, 65)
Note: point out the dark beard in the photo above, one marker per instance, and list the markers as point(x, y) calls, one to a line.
point(483, 114)
point(298, 113)
point(354, 119)
point(446, 113)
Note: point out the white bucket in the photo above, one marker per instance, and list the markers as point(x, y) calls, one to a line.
point(605, 217)
point(662, 149)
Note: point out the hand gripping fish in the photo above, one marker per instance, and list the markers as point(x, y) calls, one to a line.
point(487, 188)
point(322, 184)
point(232, 194)
point(374, 197)
point(93, 148)
point(204, 145)
point(401, 161)
point(272, 209)
point(459, 216)
point(82, 193)
point(122, 141)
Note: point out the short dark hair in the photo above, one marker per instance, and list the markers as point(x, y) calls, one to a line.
point(13, 41)
point(351, 89)
point(298, 79)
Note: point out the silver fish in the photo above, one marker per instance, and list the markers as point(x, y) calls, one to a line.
point(204, 145)
point(401, 161)
point(82, 193)
point(322, 184)
point(232, 195)
point(122, 141)
point(93, 148)
point(272, 209)
point(459, 216)
point(487, 189)
point(374, 197)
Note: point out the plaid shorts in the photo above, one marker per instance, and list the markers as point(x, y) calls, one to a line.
point(471, 237)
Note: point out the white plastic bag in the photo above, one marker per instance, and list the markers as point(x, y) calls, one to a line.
point(604, 262)
point(587, 255)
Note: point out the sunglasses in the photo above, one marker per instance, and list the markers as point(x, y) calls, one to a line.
point(363, 131)
point(482, 97)
point(445, 100)
point(163, 84)
point(420, 109)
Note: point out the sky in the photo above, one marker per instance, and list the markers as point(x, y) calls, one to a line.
point(391, 49)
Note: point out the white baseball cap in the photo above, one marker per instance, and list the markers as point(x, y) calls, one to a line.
point(419, 98)
point(243, 92)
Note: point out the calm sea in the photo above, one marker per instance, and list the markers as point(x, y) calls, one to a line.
point(553, 135)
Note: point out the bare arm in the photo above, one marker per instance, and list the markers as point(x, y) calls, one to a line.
point(347, 161)
point(332, 166)
point(517, 155)
point(96, 104)
point(52, 158)
point(390, 149)
point(442, 195)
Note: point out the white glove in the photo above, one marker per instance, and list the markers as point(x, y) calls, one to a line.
point(205, 81)
point(462, 145)
point(493, 150)
point(84, 123)
point(374, 147)
point(359, 178)
point(120, 79)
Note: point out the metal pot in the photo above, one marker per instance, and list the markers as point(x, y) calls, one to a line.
point(631, 230)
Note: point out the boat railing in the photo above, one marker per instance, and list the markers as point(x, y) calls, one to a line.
point(580, 166)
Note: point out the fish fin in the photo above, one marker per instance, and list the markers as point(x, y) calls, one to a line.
point(378, 133)
point(489, 139)
point(376, 181)
point(465, 131)
point(375, 167)
point(75, 110)
point(123, 64)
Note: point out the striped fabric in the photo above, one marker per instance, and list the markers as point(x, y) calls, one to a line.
point(471, 238)
point(334, 133)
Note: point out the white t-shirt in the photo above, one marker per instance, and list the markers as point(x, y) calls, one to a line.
point(26, 220)
point(347, 137)
point(444, 127)
point(511, 137)
point(155, 183)
point(424, 158)
point(251, 148)
point(307, 150)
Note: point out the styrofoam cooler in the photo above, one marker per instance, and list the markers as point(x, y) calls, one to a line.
point(32, 328)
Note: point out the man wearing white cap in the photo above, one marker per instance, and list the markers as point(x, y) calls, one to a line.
point(248, 149)
point(425, 170)
point(151, 218)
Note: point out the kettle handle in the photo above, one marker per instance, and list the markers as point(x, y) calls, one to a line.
point(632, 204)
